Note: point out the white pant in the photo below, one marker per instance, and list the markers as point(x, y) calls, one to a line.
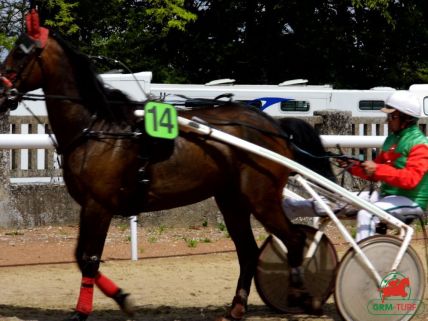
point(298, 208)
point(366, 222)
point(294, 208)
point(392, 204)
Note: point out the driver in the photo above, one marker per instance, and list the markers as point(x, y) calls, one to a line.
point(401, 166)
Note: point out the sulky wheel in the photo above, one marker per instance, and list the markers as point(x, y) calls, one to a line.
point(272, 274)
point(359, 297)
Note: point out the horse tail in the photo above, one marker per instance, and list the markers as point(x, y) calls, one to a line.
point(307, 146)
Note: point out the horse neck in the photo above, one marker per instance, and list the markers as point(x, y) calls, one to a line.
point(67, 118)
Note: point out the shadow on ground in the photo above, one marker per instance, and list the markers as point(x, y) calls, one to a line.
point(160, 313)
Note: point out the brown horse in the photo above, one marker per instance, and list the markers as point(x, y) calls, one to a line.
point(111, 167)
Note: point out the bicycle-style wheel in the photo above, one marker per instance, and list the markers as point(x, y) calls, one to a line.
point(272, 274)
point(359, 297)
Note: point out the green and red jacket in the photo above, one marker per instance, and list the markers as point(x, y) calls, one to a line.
point(402, 166)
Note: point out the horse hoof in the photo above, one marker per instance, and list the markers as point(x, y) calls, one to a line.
point(237, 312)
point(315, 306)
point(300, 301)
point(239, 307)
point(125, 302)
point(229, 318)
point(77, 316)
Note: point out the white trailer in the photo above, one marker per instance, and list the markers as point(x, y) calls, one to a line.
point(293, 98)
point(289, 99)
point(421, 90)
point(286, 99)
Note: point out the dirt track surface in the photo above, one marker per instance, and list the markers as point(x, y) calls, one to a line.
point(174, 287)
point(180, 288)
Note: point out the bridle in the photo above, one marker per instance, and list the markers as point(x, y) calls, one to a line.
point(29, 46)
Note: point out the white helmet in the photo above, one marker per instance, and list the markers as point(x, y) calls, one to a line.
point(403, 101)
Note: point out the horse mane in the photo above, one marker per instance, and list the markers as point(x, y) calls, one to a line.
point(105, 102)
point(307, 146)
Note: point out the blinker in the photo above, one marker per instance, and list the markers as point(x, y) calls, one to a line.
point(26, 44)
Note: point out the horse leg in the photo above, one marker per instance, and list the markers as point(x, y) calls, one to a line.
point(275, 221)
point(94, 224)
point(111, 290)
point(237, 219)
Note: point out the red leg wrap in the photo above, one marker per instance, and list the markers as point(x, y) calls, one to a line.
point(86, 297)
point(106, 285)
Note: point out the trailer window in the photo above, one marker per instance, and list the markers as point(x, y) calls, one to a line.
point(254, 103)
point(425, 105)
point(295, 105)
point(371, 104)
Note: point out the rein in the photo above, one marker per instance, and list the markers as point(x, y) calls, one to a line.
point(326, 155)
point(286, 137)
point(43, 97)
point(238, 123)
point(191, 104)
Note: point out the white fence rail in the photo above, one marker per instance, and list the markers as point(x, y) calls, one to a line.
point(34, 157)
point(24, 141)
point(43, 141)
point(352, 141)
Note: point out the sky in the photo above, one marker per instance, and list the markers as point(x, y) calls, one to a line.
point(3, 53)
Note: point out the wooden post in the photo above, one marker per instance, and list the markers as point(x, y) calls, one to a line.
point(334, 122)
point(9, 216)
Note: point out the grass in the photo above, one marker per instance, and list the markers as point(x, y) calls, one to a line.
point(417, 225)
point(353, 231)
point(261, 237)
point(14, 233)
point(152, 239)
point(191, 242)
point(123, 226)
point(221, 226)
point(161, 229)
point(155, 233)
point(63, 233)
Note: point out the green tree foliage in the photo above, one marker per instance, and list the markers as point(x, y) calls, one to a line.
point(131, 31)
point(10, 22)
point(347, 43)
point(59, 15)
point(12, 12)
point(354, 44)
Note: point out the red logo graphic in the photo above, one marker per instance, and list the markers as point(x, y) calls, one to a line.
point(395, 287)
point(395, 297)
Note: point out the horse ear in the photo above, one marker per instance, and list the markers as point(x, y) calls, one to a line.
point(34, 30)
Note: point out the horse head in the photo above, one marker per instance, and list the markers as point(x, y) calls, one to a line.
point(21, 70)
